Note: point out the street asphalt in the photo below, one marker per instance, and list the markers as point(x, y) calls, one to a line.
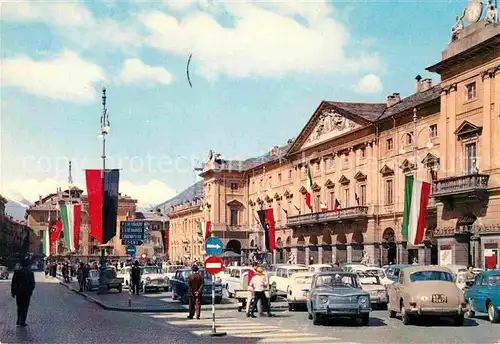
point(58, 315)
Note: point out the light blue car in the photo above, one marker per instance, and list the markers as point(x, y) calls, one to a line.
point(484, 295)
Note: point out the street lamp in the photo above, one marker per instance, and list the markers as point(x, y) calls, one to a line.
point(105, 128)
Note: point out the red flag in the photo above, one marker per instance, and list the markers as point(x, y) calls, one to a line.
point(77, 210)
point(55, 232)
point(95, 198)
point(165, 247)
point(271, 231)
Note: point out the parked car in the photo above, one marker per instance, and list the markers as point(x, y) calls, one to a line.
point(180, 287)
point(233, 278)
point(170, 270)
point(484, 295)
point(4, 273)
point(281, 278)
point(337, 294)
point(113, 282)
point(426, 290)
point(384, 280)
point(300, 283)
point(153, 278)
point(392, 271)
point(372, 284)
point(321, 268)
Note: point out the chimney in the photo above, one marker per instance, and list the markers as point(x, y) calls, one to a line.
point(418, 78)
point(290, 141)
point(425, 84)
point(393, 99)
point(39, 199)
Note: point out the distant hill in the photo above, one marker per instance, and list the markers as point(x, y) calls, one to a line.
point(17, 208)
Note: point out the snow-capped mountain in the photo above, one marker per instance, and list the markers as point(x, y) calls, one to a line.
point(16, 206)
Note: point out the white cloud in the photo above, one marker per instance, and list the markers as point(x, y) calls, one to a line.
point(66, 77)
point(134, 70)
point(370, 83)
point(74, 21)
point(152, 193)
point(266, 40)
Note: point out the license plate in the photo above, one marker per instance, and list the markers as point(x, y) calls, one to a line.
point(438, 298)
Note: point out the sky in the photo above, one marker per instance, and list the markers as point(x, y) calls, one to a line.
point(258, 71)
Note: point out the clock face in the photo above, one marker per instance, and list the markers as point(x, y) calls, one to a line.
point(473, 11)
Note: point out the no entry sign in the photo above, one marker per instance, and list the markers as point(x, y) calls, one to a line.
point(213, 265)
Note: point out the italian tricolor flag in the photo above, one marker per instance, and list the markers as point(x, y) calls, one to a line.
point(308, 187)
point(417, 195)
point(46, 242)
point(323, 207)
point(204, 229)
point(336, 205)
point(70, 217)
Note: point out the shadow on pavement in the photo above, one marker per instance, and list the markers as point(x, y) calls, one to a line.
point(346, 322)
point(442, 322)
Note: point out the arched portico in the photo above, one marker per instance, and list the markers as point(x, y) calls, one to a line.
point(341, 245)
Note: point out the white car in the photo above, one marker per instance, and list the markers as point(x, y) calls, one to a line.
point(153, 278)
point(371, 283)
point(281, 279)
point(320, 268)
point(384, 280)
point(300, 283)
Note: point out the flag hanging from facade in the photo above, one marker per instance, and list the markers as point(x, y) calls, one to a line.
point(323, 206)
point(417, 195)
point(336, 205)
point(102, 190)
point(204, 229)
point(70, 217)
point(266, 218)
point(165, 239)
point(308, 187)
point(46, 247)
point(55, 232)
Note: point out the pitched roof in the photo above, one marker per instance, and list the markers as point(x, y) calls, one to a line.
point(367, 111)
point(410, 102)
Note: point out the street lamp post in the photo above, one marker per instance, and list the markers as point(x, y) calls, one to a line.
point(102, 136)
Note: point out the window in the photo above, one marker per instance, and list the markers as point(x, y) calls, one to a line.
point(346, 197)
point(279, 177)
point(471, 158)
point(470, 91)
point(316, 166)
point(362, 194)
point(362, 152)
point(433, 130)
point(234, 217)
point(331, 202)
point(331, 162)
point(290, 174)
point(316, 203)
point(389, 193)
point(261, 185)
point(234, 186)
point(409, 138)
point(346, 158)
point(389, 144)
point(289, 208)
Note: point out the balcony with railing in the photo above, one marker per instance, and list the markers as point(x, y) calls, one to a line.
point(471, 185)
point(351, 213)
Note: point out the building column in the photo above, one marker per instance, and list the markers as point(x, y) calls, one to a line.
point(370, 251)
point(294, 252)
point(422, 259)
point(334, 254)
point(320, 255)
point(349, 253)
point(402, 255)
point(451, 112)
point(485, 153)
point(307, 255)
point(275, 256)
point(443, 133)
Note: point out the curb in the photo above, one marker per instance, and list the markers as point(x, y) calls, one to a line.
point(105, 306)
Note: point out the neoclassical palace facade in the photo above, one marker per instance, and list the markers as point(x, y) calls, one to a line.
point(358, 155)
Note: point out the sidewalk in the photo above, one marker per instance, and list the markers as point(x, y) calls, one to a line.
point(127, 302)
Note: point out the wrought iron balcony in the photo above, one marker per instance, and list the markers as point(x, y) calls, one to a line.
point(351, 213)
point(461, 186)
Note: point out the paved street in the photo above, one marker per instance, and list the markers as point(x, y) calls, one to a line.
point(58, 315)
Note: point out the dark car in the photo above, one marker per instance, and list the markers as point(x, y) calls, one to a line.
point(484, 295)
point(337, 295)
point(180, 287)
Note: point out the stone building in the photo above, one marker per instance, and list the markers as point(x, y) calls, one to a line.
point(359, 155)
point(155, 244)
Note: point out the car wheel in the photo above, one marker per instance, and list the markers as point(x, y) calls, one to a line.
point(404, 316)
point(470, 313)
point(184, 300)
point(316, 319)
point(493, 315)
point(458, 320)
point(290, 307)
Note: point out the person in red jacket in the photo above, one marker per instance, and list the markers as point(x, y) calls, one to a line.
point(250, 275)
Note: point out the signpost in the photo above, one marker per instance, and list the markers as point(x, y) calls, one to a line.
point(213, 246)
point(132, 232)
point(213, 265)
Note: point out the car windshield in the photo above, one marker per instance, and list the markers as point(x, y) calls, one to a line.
point(326, 268)
point(369, 280)
point(336, 280)
point(431, 276)
point(494, 280)
point(172, 269)
point(377, 272)
point(151, 270)
point(293, 271)
point(303, 280)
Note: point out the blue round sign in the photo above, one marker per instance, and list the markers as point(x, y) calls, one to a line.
point(131, 250)
point(213, 246)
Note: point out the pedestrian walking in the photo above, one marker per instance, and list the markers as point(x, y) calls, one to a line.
point(259, 285)
point(135, 278)
point(195, 290)
point(250, 275)
point(23, 284)
point(80, 276)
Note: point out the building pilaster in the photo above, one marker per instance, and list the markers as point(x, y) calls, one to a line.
point(349, 253)
point(485, 162)
point(451, 142)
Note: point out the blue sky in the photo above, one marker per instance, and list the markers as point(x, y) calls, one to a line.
point(259, 69)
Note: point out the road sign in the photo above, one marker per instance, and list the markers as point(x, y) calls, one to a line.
point(132, 230)
point(213, 246)
point(130, 242)
point(131, 250)
point(213, 265)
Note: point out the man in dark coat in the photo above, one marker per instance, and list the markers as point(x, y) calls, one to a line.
point(23, 284)
point(195, 291)
point(135, 277)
